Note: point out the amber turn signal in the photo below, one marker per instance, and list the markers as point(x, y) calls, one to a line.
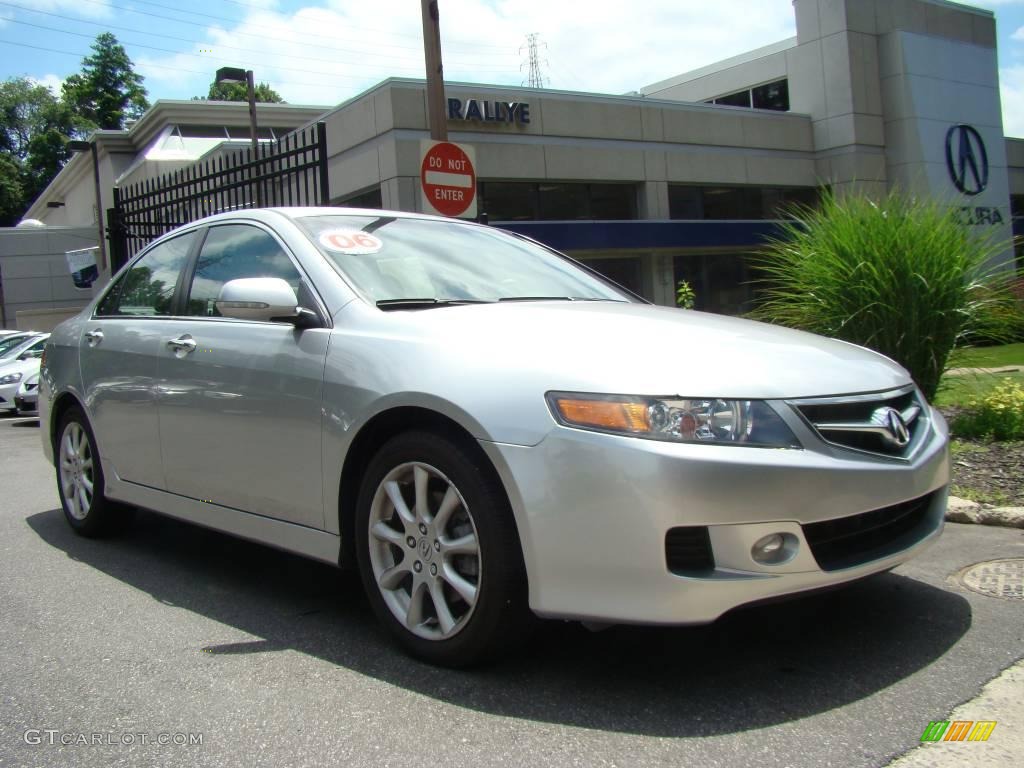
point(605, 414)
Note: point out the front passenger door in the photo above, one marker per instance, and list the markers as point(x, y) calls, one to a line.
point(239, 404)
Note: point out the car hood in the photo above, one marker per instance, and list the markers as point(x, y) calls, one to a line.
point(25, 367)
point(644, 349)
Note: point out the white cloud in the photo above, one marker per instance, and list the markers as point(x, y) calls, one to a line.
point(325, 55)
point(53, 82)
point(86, 8)
point(1011, 92)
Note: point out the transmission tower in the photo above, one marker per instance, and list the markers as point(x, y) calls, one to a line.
point(535, 78)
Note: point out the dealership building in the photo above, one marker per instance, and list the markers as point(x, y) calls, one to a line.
point(680, 180)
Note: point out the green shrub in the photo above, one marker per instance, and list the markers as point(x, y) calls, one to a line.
point(899, 275)
point(685, 296)
point(999, 415)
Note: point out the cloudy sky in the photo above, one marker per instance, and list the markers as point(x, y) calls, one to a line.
point(325, 51)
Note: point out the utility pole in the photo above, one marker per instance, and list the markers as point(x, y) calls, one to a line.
point(436, 107)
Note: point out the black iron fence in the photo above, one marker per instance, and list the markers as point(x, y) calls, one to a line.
point(290, 171)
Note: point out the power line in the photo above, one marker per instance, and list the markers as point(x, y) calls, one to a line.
point(336, 62)
point(267, 27)
point(154, 66)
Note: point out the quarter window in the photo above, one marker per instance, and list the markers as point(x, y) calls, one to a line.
point(232, 252)
point(147, 289)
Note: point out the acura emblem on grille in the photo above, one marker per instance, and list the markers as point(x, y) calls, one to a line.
point(892, 426)
point(896, 433)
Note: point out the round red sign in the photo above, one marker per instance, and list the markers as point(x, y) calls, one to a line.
point(448, 179)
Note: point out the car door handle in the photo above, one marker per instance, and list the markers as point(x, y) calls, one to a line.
point(182, 345)
point(93, 338)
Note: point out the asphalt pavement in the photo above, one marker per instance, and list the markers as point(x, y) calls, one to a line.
point(174, 633)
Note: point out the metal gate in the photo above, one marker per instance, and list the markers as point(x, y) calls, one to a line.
point(290, 171)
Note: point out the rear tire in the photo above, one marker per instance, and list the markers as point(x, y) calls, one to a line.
point(80, 480)
point(438, 551)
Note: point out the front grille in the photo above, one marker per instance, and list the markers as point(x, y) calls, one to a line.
point(688, 551)
point(859, 423)
point(858, 539)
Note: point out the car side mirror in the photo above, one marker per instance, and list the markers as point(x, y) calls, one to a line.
point(265, 299)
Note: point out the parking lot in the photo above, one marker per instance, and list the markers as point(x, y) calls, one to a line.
point(173, 633)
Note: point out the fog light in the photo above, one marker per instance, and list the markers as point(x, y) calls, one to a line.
point(774, 549)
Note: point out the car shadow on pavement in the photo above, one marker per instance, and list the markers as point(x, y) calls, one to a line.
point(753, 668)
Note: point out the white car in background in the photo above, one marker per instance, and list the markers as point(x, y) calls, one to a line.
point(26, 402)
point(11, 342)
point(13, 370)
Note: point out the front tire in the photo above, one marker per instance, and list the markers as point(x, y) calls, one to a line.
point(80, 480)
point(438, 551)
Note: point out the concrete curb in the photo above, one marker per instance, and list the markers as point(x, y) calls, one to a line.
point(964, 511)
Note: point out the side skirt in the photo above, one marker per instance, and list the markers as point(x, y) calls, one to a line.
point(299, 539)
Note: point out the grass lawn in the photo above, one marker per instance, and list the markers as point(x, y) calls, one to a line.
point(957, 390)
point(988, 357)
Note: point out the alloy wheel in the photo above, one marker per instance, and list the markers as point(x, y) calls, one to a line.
point(424, 551)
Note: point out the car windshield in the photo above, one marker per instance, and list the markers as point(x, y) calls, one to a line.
point(11, 348)
point(402, 261)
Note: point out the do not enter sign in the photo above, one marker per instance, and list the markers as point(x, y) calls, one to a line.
point(448, 179)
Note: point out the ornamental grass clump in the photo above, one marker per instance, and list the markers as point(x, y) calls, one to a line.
point(999, 415)
point(899, 275)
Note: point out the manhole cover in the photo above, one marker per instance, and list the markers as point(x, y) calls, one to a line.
point(996, 578)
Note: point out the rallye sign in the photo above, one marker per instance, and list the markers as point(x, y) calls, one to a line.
point(486, 111)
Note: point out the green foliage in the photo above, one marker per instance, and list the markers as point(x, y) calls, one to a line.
point(685, 297)
point(34, 130)
point(12, 197)
point(238, 92)
point(999, 415)
point(108, 91)
point(899, 275)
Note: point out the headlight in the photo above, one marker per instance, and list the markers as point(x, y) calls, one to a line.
point(694, 420)
point(10, 378)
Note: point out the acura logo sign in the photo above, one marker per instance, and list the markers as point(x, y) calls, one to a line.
point(966, 159)
point(894, 430)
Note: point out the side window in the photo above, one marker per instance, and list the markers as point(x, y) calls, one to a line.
point(147, 289)
point(235, 251)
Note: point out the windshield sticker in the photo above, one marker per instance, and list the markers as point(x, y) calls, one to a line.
point(351, 241)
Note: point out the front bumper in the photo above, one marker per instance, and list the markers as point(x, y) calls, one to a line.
point(594, 510)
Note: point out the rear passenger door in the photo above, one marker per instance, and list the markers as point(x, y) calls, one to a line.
point(119, 358)
point(240, 401)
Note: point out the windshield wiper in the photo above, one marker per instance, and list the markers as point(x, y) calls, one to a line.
point(388, 304)
point(556, 298)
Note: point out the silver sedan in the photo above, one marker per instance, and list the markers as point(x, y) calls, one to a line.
point(486, 429)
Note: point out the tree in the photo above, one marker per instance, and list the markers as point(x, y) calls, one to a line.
point(12, 197)
point(34, 130)
point(238, 92)
point(899, 275)
point(108, 91)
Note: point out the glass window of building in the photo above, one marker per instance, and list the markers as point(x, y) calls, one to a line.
point(556, 201)
point(695, 202)
point(627, 272)
point(370, 199)
point(1016, 205)
point(771, 96)
point(722, 282)
point(738, 99)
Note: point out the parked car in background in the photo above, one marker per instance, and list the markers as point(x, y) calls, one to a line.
point(483, 426)
point(12, 341)
point(13, 372)
point(27, 400)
